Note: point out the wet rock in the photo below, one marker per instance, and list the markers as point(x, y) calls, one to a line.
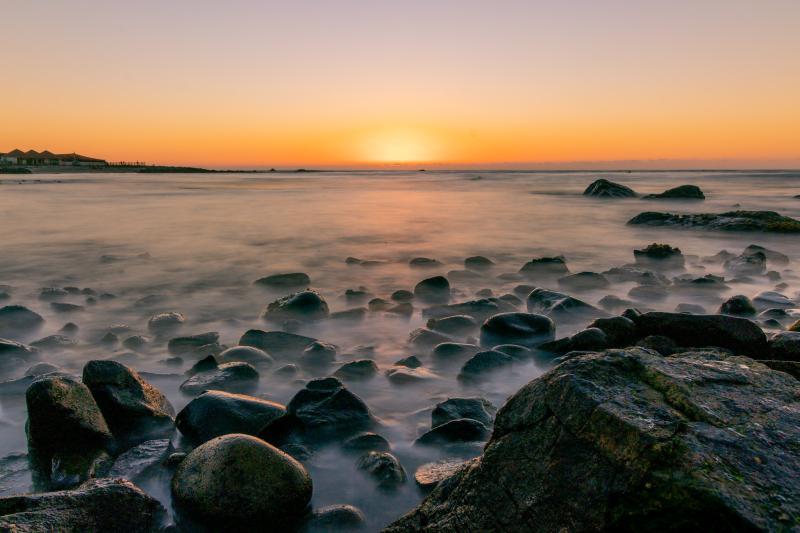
point(790, 367)
point(236, 480)
point(636, 275)
point(682, 192)
point(248, 354)
point(230, 377)
point(424, 262)
point(479, 409)
point(453, 352)
point(519, 353)
point(785, 346)
point(458, 325)
point(203, 365)
point(772, 299)
point(49, 294)
point(278, 344)
point(478, 262)
point(68, 438)
point(619, 331)
point(707, 283)
point(661, 256)
point(747, 264)
point(459, 430)
point(424, 339)
point(98, 505)
point(590, 339)
point(12, 349)
point(136, 343)
point(378, 304)
point(165, 324)
point(17, 322)
point(412, 361)
point(303, 306)
point(402, 296)
point(524, 329)
point(384, 468)
point(40, 369)
point(480, 310)
point(402, 375)
point(292, 280)
point(545, 267)
point(355, 370)
point(318, 355)
point(215, 413)
point(739, 335)
point(69, 329)
point(61, 307)
point(693, 309)
point(626, 438)
point(134, 410)
point(190, 344)
point(353, 315)
point(334, 519)
point(602, 188)
point(583, 281)
point(403, 310)
point(659, 343)
point(142, 459)
point(483, 364)
point(435, 290)
point(366, 442)
point(766, 221)
point(511, 299)
point(287, 371)
point(738, 305)
point(55, 343)
point(560, 306)
point(773, 257)
point(429, 475)
point(648, 293)
point(614, 303)
point(357, 296)
point(324, 410)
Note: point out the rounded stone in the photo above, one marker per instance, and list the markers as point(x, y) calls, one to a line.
point(524, 329)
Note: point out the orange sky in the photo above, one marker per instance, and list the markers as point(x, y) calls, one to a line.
point(361, 83)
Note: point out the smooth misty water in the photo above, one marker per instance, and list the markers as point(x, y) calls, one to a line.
point(209, 236)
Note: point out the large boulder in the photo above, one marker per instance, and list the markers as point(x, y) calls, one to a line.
point(238, 480)
point(134, 410)
point(305, 306)
point(630, 440)
point(545, 267)
point(17, 322)
point(435, 290)
point(479, 409)
point(682, 192)
point(216, 413)
point(524, 329)
point(98, 505)
point(603, 188)
point(785, 346)
point(230, 377)
point(739, 305)
point(768, 221)
point(739, 335)
point(561, 306)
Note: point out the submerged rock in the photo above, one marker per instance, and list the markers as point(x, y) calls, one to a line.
point(164, 324)
point(457, 325)
point(561, 306)
point(424, 262)
point(767, 221)
point(229, 377)
point(303, 306)
point(478, 262)
point(334, 519)
point(478, 309)
point(524, 329)
point(97, 505)
point(659, 256)
point(292, 280)
point(584, 281)
point(355, 370)
point(479, 409)
point(545, 267)
point(682, 192)
point(236, 480)
point(384, 468)
point(194, 344)
point(483, 364)
point(747, 264)
point(17, 322)
point(366, 442)
point(278, 344)
point(247, 354)
point(602, 188)
point(785, 346)
point(435, 290)
point(738, 305)
point(623, 440)
point(459, 430)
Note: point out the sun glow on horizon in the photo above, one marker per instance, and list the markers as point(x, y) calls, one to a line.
point(399, 145)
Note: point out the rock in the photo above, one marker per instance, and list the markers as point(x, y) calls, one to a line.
point(480, 310)
point(17, 322)
point(402, 296)
point(335, 518)
point(384, 468)
point(304, 306)
point(434, 290)
point(619, 331)
point(478, 409)
point(459, 430)
point(519, 353)
point(693, 309)
point(190, 344)
point(457, 325)
point(683, 192)
point(358, 296)
point(248, 354)
point(790, 367)
point(13, 349)
point(772, 299)
point(590, 339)
point(659, 256)
point(378, 304)
point(49, 294)
point(545, 267)
point(402, 375)
point(134, 410)
point(648, 293)
point(366, 442)
point(229, 377)
point(404, 310)
point(706, 283)
point(203, 365)
point(355, 370)
point(236, 480)
point(69, 329)
point(785, 346)
point(659, 343)
point(136, 342)
point(97, 505)
point(318, 355)
point(140, 460)
point(278, 344)
point(766, 221)
point(524, 329)
point(483, 364)
point(583, 281)
point(602, 188)
point(412, 361)
point(747, 264)
point(429, 475)
point(215, 413)
point(40, 369)
point(61, 307)
point(738, 305)
point(164, 324)
point(614, 303)
point(739, 335)
point(626, 440)
point(424, 339)
point(68, 438)
point(773, 257)
point(560, 306)
point(424, 262)
point(636, 275)
point(287, 371)
point(795, 326)
point(293, 280)
point(324, 410)
point(478, 262)
point(55, 343)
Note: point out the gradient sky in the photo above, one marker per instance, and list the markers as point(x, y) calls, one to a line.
point(457, 82)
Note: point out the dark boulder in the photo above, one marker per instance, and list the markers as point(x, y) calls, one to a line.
point(292, 280)
point(785, 346)
point(773, 257)
point(384, 468)
point(355, 370)
point(602, 188)
point(448, 353)
point(544, 267)
point(318, 355)
point(480, 310)
point(424, 339)
point(303, 306)
point(229, 377)
point(659, 256)
point(482, 365)
point(738, 305)
point(164, 324)
point(739, 335)
point(190, 344)
point(766, 221)
point(629, 440)
point(424, 262)
point(366, 442)
point(17, 322)
point(524, 329)
point(247, 354)
point(561, 306)
point(747, 264)
point(457, 325)
point(276, 343)
point(401, 375)
point(478, 262)
point(479, 409)
point(402, 296)
point(620, 331)
point(334, 519)
point(459, 430)
point(682, 192)
point(434, 290)
point(773, 300)
point(142, 460)
point(590, 339)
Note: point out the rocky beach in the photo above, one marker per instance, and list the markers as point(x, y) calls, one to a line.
point(395, 351)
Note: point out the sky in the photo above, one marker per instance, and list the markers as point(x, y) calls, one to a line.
point(450, 83)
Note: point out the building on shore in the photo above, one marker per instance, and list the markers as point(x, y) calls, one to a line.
point(32, 158)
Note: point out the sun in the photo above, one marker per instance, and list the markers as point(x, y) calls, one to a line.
point(399, 145)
